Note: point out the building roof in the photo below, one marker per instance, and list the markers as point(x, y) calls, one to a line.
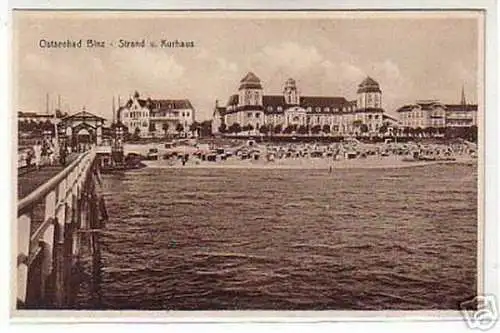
point(386, 116)
point(170, 104)
point(84, 115)
point(305, 101)
point(142, 102)
point(320, 101)
point(32, 114)
point(431, 104)
point(250, 81)
point(461, 107)
point(273, 100)
point(368, 85)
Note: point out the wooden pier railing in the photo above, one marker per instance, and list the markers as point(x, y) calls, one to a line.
point(51, 222)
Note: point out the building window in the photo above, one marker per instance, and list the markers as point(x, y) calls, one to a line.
point(257, 115)
point(187, 114)
point(318, 109)
point(249, 114)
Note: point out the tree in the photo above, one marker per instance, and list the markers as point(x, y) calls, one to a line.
point(316, 129)
point(326, 128)
point(418, 131)
point(60, 114)
point(152, 128)
point(194, 126)
point(363, 128)
point(179, 128)
point(165, 129)
point(302, 129)
point(288, 129)
point(472, 133)
point(383, 129)
point(278, 128)
point(222, 128)
point(205, 128)
point(137, 134)
point(264, 129)
point(235, 128)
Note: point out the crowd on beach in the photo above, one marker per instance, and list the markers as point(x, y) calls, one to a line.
point(273, 153)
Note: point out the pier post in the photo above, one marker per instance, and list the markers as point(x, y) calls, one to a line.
point(47, 257)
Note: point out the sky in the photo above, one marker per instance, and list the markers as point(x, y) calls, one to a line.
point(413, 56)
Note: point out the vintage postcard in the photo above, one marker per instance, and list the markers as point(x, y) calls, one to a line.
point(249, 162)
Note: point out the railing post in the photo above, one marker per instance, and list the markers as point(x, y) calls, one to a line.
point(51, 250)
point(23, 250)
point(59, 253)
point(48, 242)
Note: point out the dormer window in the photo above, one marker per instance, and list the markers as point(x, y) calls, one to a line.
point(318, 109)
point(280, 108)
point(270, 108)
point(327, 109)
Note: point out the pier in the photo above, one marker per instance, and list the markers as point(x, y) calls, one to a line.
point(58, 222)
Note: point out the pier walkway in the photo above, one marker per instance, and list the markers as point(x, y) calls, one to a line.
point(30, 179)
point(59, 211)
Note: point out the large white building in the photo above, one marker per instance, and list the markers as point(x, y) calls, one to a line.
point(156, 117)
point(250, 108)
point(434, 114)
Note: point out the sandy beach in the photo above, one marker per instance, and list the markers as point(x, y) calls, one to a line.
point(371, 162)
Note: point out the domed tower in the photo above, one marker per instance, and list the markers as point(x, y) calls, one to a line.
point(250, 90)
point(291, 93)
point(369, 94)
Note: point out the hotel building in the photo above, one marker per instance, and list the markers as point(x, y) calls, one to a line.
point(251, 108)
point(156, 117)
point(426, 114)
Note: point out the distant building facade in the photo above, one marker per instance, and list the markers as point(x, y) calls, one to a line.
point(434, 114)
point(83, 127)
point(156, 117)
point(251, 108)
point(37, 117)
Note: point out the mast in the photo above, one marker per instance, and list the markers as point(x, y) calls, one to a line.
point(113, 110)
point(55, 117)
point(47, 103)
point(463, 101)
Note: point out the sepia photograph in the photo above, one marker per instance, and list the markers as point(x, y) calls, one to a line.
point(247, 160)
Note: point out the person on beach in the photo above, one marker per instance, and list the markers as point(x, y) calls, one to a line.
point(51, 154)
point(37, 151)
point(29, 156)
point(62, 155)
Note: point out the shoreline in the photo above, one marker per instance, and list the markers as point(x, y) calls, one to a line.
point(302, 164)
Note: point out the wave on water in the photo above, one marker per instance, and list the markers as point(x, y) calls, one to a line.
point(225, 239)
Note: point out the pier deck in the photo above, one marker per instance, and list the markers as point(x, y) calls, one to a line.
point(29, 179)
